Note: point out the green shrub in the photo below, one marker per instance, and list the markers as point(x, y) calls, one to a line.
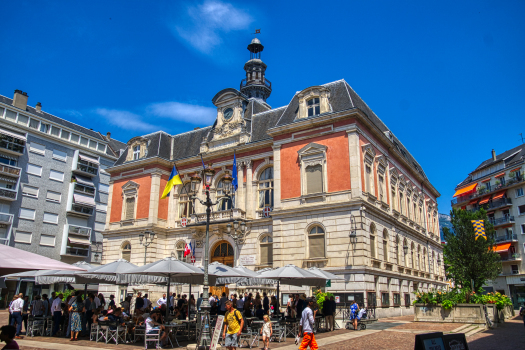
point(449, 299)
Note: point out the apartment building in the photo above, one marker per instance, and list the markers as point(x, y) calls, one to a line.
point(53, 183)
point(498, 186)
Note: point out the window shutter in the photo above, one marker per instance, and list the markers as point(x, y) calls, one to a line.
point(372, 246)
point(317, 246)
point(314, 179)
point(385, 250)
point(53, 196)
point(264, 253)
point(126, 255)
point(130, 208)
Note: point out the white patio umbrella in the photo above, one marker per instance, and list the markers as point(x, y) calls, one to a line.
point(251, 278)
point(78, 277)
point(322, 273)
point(293, 275)
point(13, 260)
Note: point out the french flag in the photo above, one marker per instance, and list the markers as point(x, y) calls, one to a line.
point(187, 249)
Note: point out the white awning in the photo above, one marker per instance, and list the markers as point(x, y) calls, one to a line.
point(79, 241)
point(8, 179)
point(89, 159)
point(84, 180)
point(82, 199)
point(8, 156)
point(13, 134)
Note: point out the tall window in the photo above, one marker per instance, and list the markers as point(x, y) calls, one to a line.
point(424, 258)
point(316, 242)
point(394, 203)
point(397, 251)
point(130, 208)
point(419, 257)
point(180, 251)
point(266, 188)
point(126, 251)
point(405, 258)
point(401, 202)
point(381, 188)
point(267, 250)
point(136, 152)
point(368, 178)
point(185, 202)
point(225, 203)
point(415, 212)
point(412, 256)
point(373, 241)
point(313, 106)
point(314, 179)
point(385, 245)
point(408, 206)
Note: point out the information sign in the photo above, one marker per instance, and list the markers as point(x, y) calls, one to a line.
point(217, 332)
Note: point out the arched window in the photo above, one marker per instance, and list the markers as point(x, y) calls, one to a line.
point(408, 207)
point(267, 250)
point(424, 258)
point(126, 251)
point(185, 203)
point(385, 245)
point(419, 257)
point(130, 208)
point(316, 242)
point(398, 261)
point(266, 188)
point(225, 203)
point(313, 106)
point(136, 152)
point(373, 241)
point(179, 250)
point(405, 258)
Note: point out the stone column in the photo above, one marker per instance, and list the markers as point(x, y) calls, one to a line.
point(249, 190)
point(354, 152)
point(240, 196)
point(110, 200)
point(172, 206)
point(154, 198)
point(277, 176)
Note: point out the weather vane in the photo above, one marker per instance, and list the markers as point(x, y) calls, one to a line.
point(257, 31)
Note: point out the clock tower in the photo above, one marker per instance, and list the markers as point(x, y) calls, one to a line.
point(255, 85)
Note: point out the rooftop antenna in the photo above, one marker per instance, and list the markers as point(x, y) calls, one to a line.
point(522, 140)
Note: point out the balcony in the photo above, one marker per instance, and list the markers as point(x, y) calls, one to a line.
point(508, 182)
point(90, 191)
point(11, 145)
point(264, 82)
point(6, 219)
point(86, 168)
point(494, 205)
point(7, 194)
point(9, 170)
point(81, 210)
point(219, 216)
point(507, 238)
point(78, 230)
point(83, 252)
point(507, 219)
point(511, 257)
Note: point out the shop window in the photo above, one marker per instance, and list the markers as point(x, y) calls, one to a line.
point(397, 299)
point(371, 300)
point(407, 300)
point(385, 299)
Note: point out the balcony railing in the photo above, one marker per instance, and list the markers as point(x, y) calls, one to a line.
point(499, 203)
point(492, 188)
point(86, 167)
point(77, 230)
point(6, 218)
point(507, 238)
point(80, 209)
point(9, 170)
point(507, 219)
point(90, 191)
point(7, 194)
point(511, 257)
point(11, 146)
point(77, 251)
point(223, 215)
point(264, 82)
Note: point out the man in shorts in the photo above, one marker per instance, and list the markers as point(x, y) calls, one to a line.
point(233, 323)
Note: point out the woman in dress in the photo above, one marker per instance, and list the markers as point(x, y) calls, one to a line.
point(354, 314)
point(74, 314)
point(274, 305)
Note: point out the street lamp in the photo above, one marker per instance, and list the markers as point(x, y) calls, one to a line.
point(353, 230)
point(207, 173)
point(405, 249)
point(237, 235)
point(146, 239)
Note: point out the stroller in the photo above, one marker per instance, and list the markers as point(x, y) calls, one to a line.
point(362, 318)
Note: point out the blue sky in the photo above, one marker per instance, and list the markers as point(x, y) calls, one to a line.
point(447, 77)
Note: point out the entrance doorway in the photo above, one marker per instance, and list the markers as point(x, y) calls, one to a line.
point(219, 290)
point(223, 253)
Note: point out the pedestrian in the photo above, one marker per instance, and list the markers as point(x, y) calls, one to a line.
point(266, 303)
point(240, 303)
point(147, 302)
point(233, 325)
point(139, 302)
point(16, 314)
point(7, 336)
point(199, 302)
point(45, 301)
point(162, 301)
point(290, 309)
point(266, 331)
point(75, 310)
point(328, 312)
point(25, 310)
point(522, 312)
point(274, 305)
point(56, 311)
point(306, 326)
point(222, 304)
point(102, 301)
point(111, 304)
point(37, 308)
point(354, 314)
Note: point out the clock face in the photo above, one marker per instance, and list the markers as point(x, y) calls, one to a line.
point(228, 113)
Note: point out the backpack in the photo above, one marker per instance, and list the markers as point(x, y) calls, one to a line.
point(235, 315)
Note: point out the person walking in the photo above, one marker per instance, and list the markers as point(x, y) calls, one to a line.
point(222, 304)
point(522, 312)
point(306, 326)
point(37, 308)
point(139, 302)
point(328, 312)
point(354, 314)
point(233, 325)
point(162, 301)
point(199, 302)
point(74, 311)
point(16, 314)
point(56, 311)
point(266, 304)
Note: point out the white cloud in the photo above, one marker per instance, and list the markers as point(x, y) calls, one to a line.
point(205, 23)
point(184, 112)
point(125, 120)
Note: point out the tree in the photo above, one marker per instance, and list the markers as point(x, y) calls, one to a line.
point(467, 258)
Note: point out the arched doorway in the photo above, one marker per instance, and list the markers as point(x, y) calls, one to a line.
point(222, 252)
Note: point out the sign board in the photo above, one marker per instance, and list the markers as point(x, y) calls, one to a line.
point(337, 299)
point(247, 260)
point(216, 333)
point(192, 259)
point(267, 211)
point(328, 283)
point(455, 341)
point(184, 222)
point(429, 341)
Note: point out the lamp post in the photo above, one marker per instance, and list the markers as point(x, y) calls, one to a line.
point(146, 239)
point(237, 235)
point(353, 229)
point(208, 172)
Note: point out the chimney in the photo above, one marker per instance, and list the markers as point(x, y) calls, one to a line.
point(493, 155)
point(108, 135)
point(20, 99)
point(38, 107)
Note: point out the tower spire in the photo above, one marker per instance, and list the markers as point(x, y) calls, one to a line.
point(255, 85)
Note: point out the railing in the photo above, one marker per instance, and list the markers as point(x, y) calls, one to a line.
point(6, 218)
point(511, 257)
point(85, 189)
point(82, 209)
point(87, 167)
point(77, 230)
point(77, 251)
point(264, 82)
point(7, 193)
point(11, 146)
point(483, 191)
point(9, 170)
point(506, 238)
point(507, 219)
point(219, 215)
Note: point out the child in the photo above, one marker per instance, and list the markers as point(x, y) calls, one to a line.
point(266, 331)
point(7, 336)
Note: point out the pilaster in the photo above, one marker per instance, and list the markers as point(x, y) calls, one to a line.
point(277, 176)
point(240, 197)
point(154, 198)
point(355, 162)
point(110, 207)
point(249, 190)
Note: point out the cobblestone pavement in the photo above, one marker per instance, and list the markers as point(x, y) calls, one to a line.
point(397, 333)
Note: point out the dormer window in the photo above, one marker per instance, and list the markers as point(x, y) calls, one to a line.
point(313, 106)
point(136, 152)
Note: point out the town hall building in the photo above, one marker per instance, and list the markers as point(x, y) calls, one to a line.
point(322, 182)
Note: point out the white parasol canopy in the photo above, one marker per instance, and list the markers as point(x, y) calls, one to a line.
point(293, 275)
point(322, 273)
